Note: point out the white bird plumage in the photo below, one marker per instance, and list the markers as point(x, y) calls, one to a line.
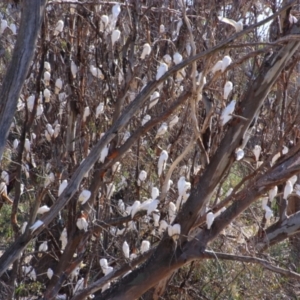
point(43, 246)
point(146, 50)
point(5, 177)
point(84, 196)
point(82, 224)
point(135, 208)
point(86, 113)
point(146, 119)
point(96, 72)
point(27, 145)
point(237, 25)
point(293, 179)
point(145, 246)
point(16, 143)
point(174, 231)
point(163, 225)
point(115, 36)
point(183, 186)
point(50, 273)
point(99, 109)
point(47, 77)
point(36, 225)
point(43, 209)
point(173, 121)
point(59, 27)
point(210, 217)
point(103, 264)
point(142, 177)
point(217, 67)
point(79, 286)
point(177, 58)
point(58, 86)
point(239, 154)
point(154, 99)
point(227, 112)
point(116, 9)
point(172, 212)
point(64, 238)
point(162, 161)
point(162, 69)
point(126, 249)
point(256, 151)
point(226, 61)
point(162, 130)
point(288, 189)
point(74, 69)
point(62, 187)
point(273, 193)
point(154, 193)
point(269, 213)
point(24, 227)
point(227, 89)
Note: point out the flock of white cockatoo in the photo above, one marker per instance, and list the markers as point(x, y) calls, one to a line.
point(150, 208)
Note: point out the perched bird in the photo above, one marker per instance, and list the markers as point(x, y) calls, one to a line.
point(183, 186)
point(210, 217)
point(96, 72)
point(227, 112)
point(110, 190)
point(142, 177)
point(13, 28)
point(146, 119)
point(269, 213)
point(162, 28)
point(273, 193)
point(237, 25)
point(162, 69)
point(86, 113)
point(79, 286)
point(58, 86)
point(59, 27)
point(116, 9)
point(49, 179)
point(163, 225)
point(47, 77)
point(121, 206)
point(24, 227)
point(292, 19)
point(36, 225)
point(47, 66)
point(293, 179)
point(62, 187)
point(104, 153)
point(145, 246)
point(146, 50)
point(226, 61)
point(150, 205)
point(174, 231)
point(156, 217)
point(239, 154)
point(154, 193)
point(177, 58)
point(172, 212)
point(3, 26)
point(217, 67)
point(104, 22)
point(288, 189)
point(173, 122)
point(162, 161)
point(27, 145)
point(162, 130)
point(227, 89)
point(116, 167)
point(43, 248)
point(84, 196)
point(256, 151)
point(82, 224)
point(264, 202)
point(135, 208)
point(43, 209)
point(103, 264)
point(64, 238)
point(115, 36)
point(167, 59)
point(74, 69)
point(154, 99)
point(50, 273)
point(99, 109)
point(5, 177)
point(126, 249)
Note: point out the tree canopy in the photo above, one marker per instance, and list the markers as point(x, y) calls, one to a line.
point(149, 149)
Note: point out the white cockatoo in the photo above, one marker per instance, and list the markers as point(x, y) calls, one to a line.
point(174, 231)
point(43, 209)
point(86, 113)
point(156, 217)
point(43, 248)
point(210, 217)
point(167, 59)
point(273, 193)
point(84, 196)
point(145, 246)
point(30, 102)
point(172, 212)
point(82, 224)
point(96, 72)
point(227, 112)
point(13, 28)
point(99, 109)
point(173, 121)
point(27, 145)
point(64, 238)
point(79, 285)
point(162, 28)
point(56, 131)
point(47, 77)
point(146, 50)
point(288, 189)
point(50, 273)
point(162, 161)
point(183, 186)
point(150, 205)
point(146, 119)
point(226, 61)
point(103, 264)
point(74, 69)
point(121, 206)
point(217, 67)
point(36, 225)
point(47, 66)
point(59, 27)
point(5, 177)
point(163, 225)
point(116, 167)
point(50, 178)
point(256, 151)
point(62, 186)
point(116, 9)
point(115, 36)
point(142, 177)
point(237, 25)
point(162, 130)
point(154, 99)
point(3, 26)
point(104, 22)
point(47, 95)
point(162, 69)
point(58, 86)
point(239, 154)
point(177, 58)
point(110, 189)
point(16, 143)
point(293, 179)
point(154, 193)
point(269, 213)
point(227, 89)
point(126, 249)
point(135, 208)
